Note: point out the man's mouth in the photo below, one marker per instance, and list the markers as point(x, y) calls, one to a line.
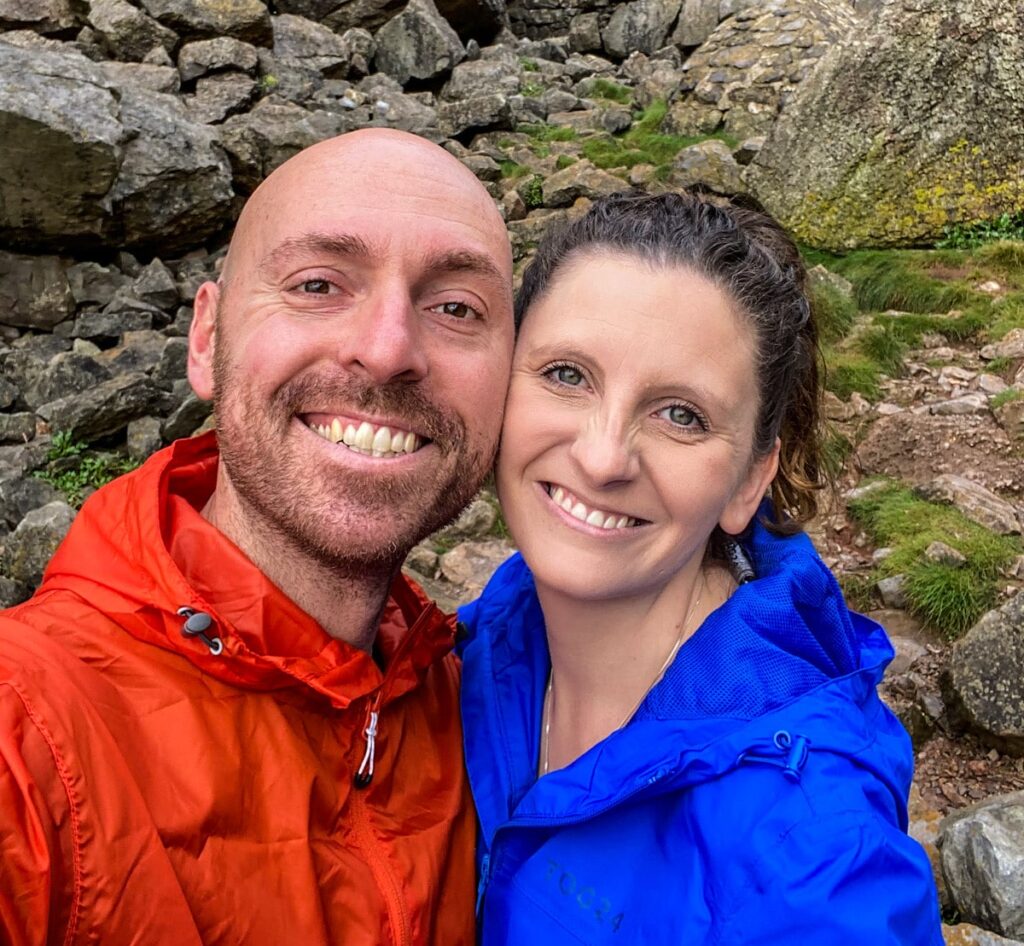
point(591, 515)
point(370, 439)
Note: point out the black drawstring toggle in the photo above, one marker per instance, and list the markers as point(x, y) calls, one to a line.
point(197, 623)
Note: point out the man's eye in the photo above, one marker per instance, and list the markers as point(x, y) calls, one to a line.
point(319, 287)
point(459, 310)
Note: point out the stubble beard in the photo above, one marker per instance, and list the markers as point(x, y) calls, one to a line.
point(322, 511)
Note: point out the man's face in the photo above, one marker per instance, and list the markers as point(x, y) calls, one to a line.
point(361, 352)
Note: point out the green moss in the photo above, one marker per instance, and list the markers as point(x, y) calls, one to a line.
point(73, 469)
point(833, 311)
point(611, 91)
point(950, 599)
point(846, 372)
point(898, 279)
point(532, 192)
point(528, 65)
point(512, 171)
point(643, 143)
point(1006, 316)
point(532, 90)
point(548, 133)
point(1006, 397)
point(565, 160)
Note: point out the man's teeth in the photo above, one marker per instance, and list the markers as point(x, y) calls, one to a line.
point(593, 517)
point(373, 441)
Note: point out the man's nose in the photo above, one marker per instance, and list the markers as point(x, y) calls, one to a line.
point(382, 340)
point(604, 451)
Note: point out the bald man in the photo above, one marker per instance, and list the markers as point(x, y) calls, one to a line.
point(225, 717)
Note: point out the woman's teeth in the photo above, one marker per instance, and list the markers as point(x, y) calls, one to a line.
point(368, 439)
point(593, 517)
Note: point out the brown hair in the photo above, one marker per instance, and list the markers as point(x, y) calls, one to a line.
point(746, 253)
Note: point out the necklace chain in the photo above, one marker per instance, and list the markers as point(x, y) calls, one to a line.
point(549, 690)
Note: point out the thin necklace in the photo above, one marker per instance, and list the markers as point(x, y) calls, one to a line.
point(546, 711)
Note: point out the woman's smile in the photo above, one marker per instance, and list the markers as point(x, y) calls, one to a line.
point(583, 514)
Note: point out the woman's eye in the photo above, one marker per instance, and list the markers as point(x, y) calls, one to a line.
point(566, 374)
point(320, 287)
point(682, 416)
point(459, 310)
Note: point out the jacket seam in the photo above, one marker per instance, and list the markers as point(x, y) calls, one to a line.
point(65, 777)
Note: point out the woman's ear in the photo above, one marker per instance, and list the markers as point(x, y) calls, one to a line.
point(202, 338)
point(741, 508)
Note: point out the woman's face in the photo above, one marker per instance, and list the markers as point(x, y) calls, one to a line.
point(629, 427)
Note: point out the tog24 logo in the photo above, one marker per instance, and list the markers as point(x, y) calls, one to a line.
point(584, 896)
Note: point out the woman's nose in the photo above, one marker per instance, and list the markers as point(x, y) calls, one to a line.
point(605, 452)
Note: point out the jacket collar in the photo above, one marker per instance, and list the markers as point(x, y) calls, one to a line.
point(140, 550)
point(782, 652)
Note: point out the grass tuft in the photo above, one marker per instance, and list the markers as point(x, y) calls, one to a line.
point(948, 598)
point(611, 91)
point(73, 470)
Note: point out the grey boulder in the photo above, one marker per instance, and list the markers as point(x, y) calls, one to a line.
point(418, 43)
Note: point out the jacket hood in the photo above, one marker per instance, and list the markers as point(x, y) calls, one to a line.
point(139, 549)
point(780, 669)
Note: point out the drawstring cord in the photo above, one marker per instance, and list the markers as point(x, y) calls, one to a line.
point(197, 623)
point(365, 774)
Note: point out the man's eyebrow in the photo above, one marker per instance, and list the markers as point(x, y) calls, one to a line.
point(332, 244)
point(466, 261)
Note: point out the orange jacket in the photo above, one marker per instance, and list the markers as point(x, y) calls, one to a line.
point(153, 792)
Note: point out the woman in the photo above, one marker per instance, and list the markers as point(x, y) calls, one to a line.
point(660, 750)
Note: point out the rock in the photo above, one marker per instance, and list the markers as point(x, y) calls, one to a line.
point(942, 554)
point(482, 77)
point(143, 437)
point(174, 189)
point(93, 283)
point(709, 163)
point(12, 593)
point(125, 32)
point(585, 33)
point(62, 114)
point(155, 285)
point(19, 495)
point(139, 350)
point(891, 140)
point(975, 501)
point(991, 384)
point(42, 16)
point(893, 592)
point(17, 428)
point(28, 549)
point(475, 521)
point(488, 111)
point(985, 680)
point(142, 76)
point(34, 291)
point(188, 416)
point(1011, 417)
point(203, 56)
point(310, 44)
point(1011, 346)
point(749, 149)
point(221, 95)
point(422, 560)
point(471, 564)
point(64, 375)
point(360, 47)
point(123, 314)
point(104, 409)
point(268, 135)
point(964, 934)
point(754, 62)
point(172, 364)
point(968, 404)
point(983, 863)
point(8, 394)
point(417, 44)
point(697, 21)
point(907, 651)
point(640, 25)
point(581, 179)
point(247, 20)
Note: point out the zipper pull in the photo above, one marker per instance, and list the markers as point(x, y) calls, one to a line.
point(485, 872)
point(364, 776)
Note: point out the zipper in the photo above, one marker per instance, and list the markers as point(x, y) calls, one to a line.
point(387, 883)
point(481, 887)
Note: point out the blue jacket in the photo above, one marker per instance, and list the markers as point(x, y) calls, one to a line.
point(758, 796)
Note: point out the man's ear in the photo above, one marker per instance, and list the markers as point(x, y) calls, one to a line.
point(741, 508)
point(202, 340)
